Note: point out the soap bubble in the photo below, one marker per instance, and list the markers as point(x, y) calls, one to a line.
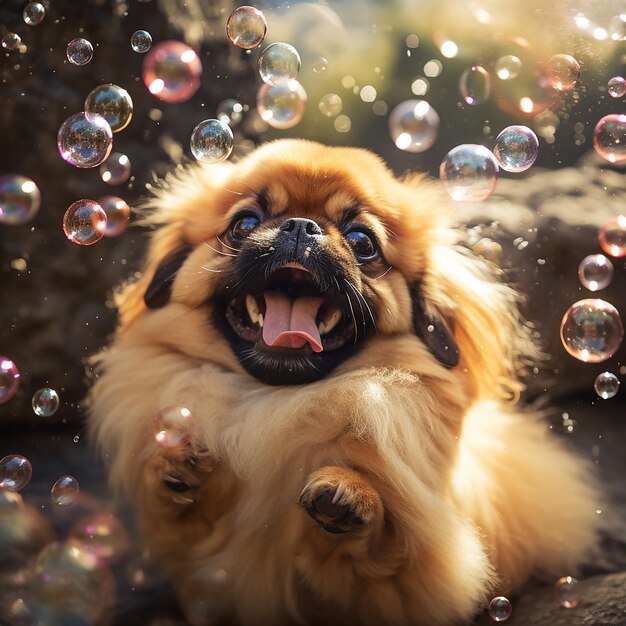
point(141, 41)
point(34, 12)
point(562, 72)
point(230, 111)
point(616, 87)
point(79, 51)
point(9, 379)
point(116, 169)
point(112, 103)
point(595, 272)
point(84, 141)
point(508, 67)
point(606, 385)
point(330, 105)
point(11, 41)
point(15, 472)
point(609, 137)
point(320, 65)
point(281, 107)
point(172, 426)
point(246, 27)
point(516, 148)
point(279, 64)
point(413, 125)
point(211, 141)
point(65, 491)
point(103, 536)
point(500, 609)
point(19, 199)
point(566, 591)
point(469, 172)
point(118, 215)
point(84, 222)
point(591, 330)
point(612, 236)
point(171, 71)
point(45, 402)
point(475, 85)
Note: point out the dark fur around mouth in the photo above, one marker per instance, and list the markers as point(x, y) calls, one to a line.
point(260, 267)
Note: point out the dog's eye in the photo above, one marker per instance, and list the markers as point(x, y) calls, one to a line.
point(243, 225)
point(363, 245)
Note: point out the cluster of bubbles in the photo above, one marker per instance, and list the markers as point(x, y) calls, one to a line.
point(172, 426)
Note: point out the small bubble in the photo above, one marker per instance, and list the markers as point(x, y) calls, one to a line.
point(34, 12)
point(211, 141)
point(330, 105)
point(508, 67)
point(500, 609)
point(75, 439)
point(414, 125)
point(343, 124)
point(172, 426)
point(141, 41)
point(612, 236)
point(566, 591)
point(84, 222)
point(562, 72)
point(65, 491)
point(11, 41)
point(616, 87)
point(45, 402)
point(475, 85)
point(118, 215)
point(15, 472)
point(79, 51)
point(606, 385)
point(320, 65)
point(9, 379)
point(246, 27)
point(230, 111)
point(595, 272)
point(116, 169)
point(83, 141)
point(19, 199)
point(111, 102)
point(469, 173)
point(609, 137)
point(279, 64)
point(516, 148)
point(281, 107)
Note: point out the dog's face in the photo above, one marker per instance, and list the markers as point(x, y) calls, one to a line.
point(298, 257)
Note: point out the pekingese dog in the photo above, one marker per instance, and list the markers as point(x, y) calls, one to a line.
point(354, 454)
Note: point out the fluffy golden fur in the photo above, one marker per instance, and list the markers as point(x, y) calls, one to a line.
point(459, 495)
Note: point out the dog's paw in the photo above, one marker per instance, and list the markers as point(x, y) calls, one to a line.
point(340, 499)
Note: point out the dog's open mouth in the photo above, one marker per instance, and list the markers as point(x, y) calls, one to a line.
point(291, 313)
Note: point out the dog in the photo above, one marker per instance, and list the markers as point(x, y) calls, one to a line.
point(355, 454)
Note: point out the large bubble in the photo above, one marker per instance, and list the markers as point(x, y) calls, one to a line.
point(283, 106)
point(413, 125)
point(19, 199)
point(246, 27)
point(85, 141)
point(516, 148)
point(279, 64)
point(84, 222)
point(609, 137)
point(15, 472)
point(111, 102)
point(562, 72)
point(591, 330)
point(469, 173)
point(211, 141)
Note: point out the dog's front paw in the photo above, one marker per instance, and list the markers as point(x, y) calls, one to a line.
point(340, 499)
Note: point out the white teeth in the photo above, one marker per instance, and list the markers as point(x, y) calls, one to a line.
point(327, 325)
point(253, 310)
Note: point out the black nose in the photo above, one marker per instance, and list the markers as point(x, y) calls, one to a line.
point(299, 226)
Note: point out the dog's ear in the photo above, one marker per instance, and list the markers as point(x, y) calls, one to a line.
point(433, 330)
point(159, 289)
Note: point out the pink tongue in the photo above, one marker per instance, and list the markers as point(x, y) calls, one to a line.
point(291, 323)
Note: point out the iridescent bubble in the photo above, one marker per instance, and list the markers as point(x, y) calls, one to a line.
point(111, 102)
point(320, 65)
point(11, 41)
point(469, 172)
point(171, 71)
point(562, 72)
point(172, 426)
point(612, 236)
point(591, 330)
point(230, 111)
point(606, 385)
point(516, 148)
point(211, 141)
point(45, 402)
point(330, 105)
point(65, 491)
point(609, 137)
point(9, 379)
point(34, 12)
point(500, 609)
point(15, 472)
point(84, 222)
point(116, 169)
point(118, 215)
point(566, 592)
point(83, 141)
point(103, 536)
point(616, 87)
point(19, 199)
point(508, 67)
point(79, 51)
point(475, 85)
point(141, 41)
point(246, 27)
point(281, 107)
point(279, 64)
point(595, 272)
point(414, 125)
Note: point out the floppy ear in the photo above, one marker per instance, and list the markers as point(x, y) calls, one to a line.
point(159, 290)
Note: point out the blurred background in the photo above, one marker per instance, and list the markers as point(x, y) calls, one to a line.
point(481, 65)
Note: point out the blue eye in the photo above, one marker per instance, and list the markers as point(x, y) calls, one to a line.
point(241, 227)
point(363, 245)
